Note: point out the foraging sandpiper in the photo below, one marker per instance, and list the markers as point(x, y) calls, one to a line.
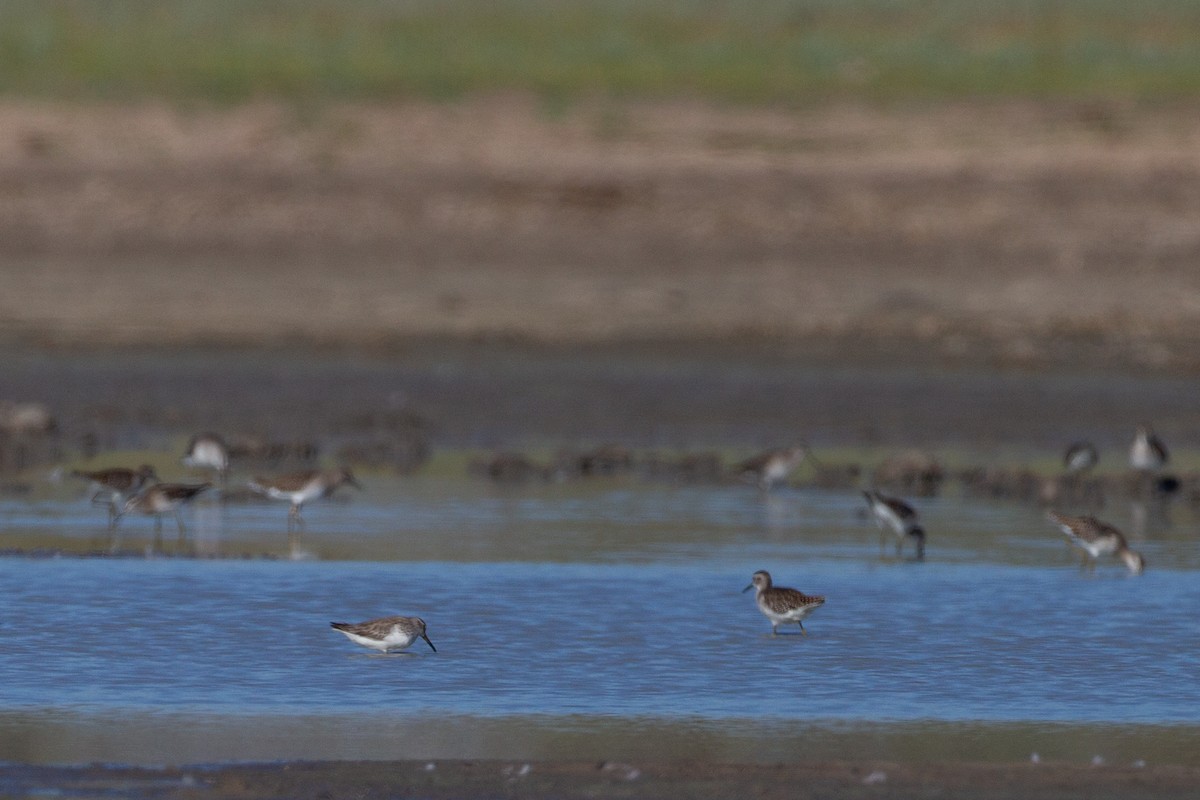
point(1096, 538)
point(208, 451)
point(772, 466)
point(159, 498)
point(1080, 457)
point(385, 633)
point(897, 515)
point(118, 483)
point(780, 604)
point(1147, 453)
point(300, 487)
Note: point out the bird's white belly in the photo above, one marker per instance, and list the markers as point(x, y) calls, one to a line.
point(206, 455)
point(395, 640)
point(777, 471)
point(886, 516)
point(295, 498)
point(791, 615)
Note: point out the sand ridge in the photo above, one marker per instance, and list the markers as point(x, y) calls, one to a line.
point(968, 229)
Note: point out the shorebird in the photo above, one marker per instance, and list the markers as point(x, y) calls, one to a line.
point(1097, 539)
point(1147, 453)
point(159, 498)
point(386, 633)
point(772, 466)
point(208, 451)
point(1080, 457)
point(780, 604)
point(118, 484)
point(900, 517)
point(300, 487)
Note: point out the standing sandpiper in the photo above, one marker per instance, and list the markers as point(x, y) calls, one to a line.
point(118, 484)
point(1080, 457)
point(900, 517)
point(300, 487)
point(385, 633)
point(1147, 453)
point(1097, 539)
point(781, 605)
point(773, 466)
point(208, 451)
point(159, 498)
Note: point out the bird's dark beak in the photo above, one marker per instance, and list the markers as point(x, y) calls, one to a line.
point(748, 588)
point(354, 483)
point(426, 638)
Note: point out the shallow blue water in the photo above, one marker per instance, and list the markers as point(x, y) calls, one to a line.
point(615, 600)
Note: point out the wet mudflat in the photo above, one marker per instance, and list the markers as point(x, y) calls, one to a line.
point(570, 779)
point(496, 394)
point(589, 618)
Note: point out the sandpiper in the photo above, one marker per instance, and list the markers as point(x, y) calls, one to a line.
point(300, 487)
point(1097, 539)
point(780, 604)
point(1147, 453)
point(772, 466)
point(897, 515)
point(159, 498)
point(1080, 457)
point(115, 485)
point(385, 633)
point(208, 451)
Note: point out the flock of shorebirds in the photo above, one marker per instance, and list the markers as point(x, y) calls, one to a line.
point(125, 490)
point(1095, 538)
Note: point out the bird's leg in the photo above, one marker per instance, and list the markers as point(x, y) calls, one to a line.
point(801, 624)
point(774, 628)
point(179, 522)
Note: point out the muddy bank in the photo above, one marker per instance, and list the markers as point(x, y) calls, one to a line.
point(1008, 233)
point(400, 408)
point(438, 779)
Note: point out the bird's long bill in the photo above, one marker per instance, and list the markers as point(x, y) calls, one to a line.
point(426, 638)
point(354, 483)
point(748, 588)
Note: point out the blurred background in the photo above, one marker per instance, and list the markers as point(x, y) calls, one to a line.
point(1013, 183)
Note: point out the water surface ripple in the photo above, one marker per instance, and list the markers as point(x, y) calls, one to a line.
point(579, 606)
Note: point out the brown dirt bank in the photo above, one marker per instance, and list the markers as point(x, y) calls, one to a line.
point(1025, 232)
point(459, 779)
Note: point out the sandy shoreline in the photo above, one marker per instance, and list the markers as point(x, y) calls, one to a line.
point(437, 779)
point(1020, 232)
